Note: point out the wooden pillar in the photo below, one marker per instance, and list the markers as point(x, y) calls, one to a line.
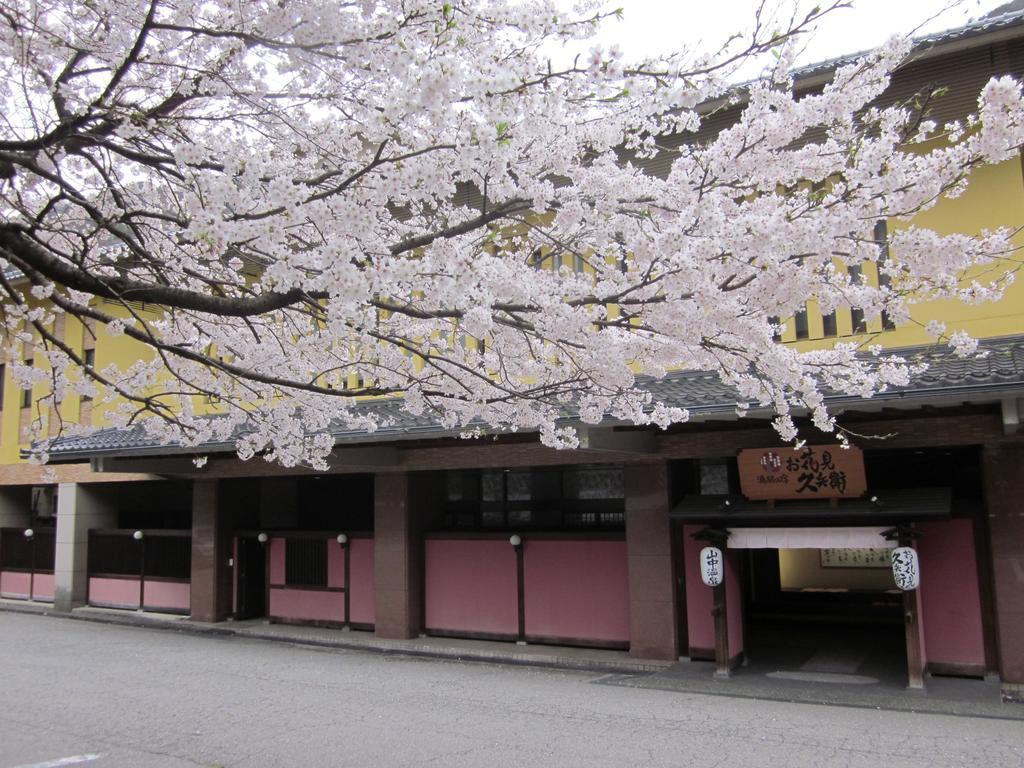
point(720, 612)
point(913, 631)
point(1003, 468)
point(653, 603)
point(211, 549)
point(396, 557)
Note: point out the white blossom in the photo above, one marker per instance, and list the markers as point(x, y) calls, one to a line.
point(316, 193)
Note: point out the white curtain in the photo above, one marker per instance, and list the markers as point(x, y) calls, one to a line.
point(808, 538)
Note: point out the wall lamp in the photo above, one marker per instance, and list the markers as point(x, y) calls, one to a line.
point(137, 535)
point(29, 533)
point(342, 539)
point(262, 538)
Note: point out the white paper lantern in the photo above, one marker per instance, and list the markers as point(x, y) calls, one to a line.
point(905, 570)
point(712, 566)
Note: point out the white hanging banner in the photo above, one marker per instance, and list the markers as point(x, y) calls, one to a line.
point(712, 566)
point(833, 537)
point(905, 569)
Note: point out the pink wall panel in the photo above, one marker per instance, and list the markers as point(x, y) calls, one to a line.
point(576, 590)
point(42, 586)
point(335, 564)
point(169, 595)
point(277, 561)
point(14, 584)
point(698, 597)
point(118, 593)
point(362, 601)
point(470, 586)
point(949, 596)
point(307, 604)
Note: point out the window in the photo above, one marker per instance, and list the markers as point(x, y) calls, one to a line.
point(574, 262)
point(538, 498)
point(857, 315)
point(595, 483)
point(26, 394)
point(882, 239)
point(3, 371)
point(89, 358)
point(800, 324)
point(305, 562)
point(828, 324)
point(860, 325)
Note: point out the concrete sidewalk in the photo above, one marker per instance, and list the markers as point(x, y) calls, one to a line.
point(942, 695)
point(975, 698)
point(561, 657)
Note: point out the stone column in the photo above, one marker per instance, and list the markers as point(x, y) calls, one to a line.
point(79, 509)
point(397, 552)
point(1003, 468)
point(211, 549)
point(653, 623)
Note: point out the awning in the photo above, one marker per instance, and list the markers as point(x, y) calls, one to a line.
point(885, 507)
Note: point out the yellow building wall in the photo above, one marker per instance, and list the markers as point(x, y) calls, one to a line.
point(995, 198)
point(14, 419)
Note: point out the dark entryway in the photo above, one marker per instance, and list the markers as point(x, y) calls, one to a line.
point(252, 578)
point(812, 617)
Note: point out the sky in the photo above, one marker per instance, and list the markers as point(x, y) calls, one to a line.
point(660, 26)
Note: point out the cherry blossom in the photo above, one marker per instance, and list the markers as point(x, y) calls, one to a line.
point(281, 199)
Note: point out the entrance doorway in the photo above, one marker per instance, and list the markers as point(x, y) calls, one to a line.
point(252, 579)
point(820, 605)
point(824, 615)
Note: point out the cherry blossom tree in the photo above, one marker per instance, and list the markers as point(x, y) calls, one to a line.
point(407, 198)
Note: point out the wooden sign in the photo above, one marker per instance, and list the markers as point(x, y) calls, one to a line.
point(811, 472)
point(855, 557)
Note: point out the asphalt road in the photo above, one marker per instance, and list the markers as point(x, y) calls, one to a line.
point(72, 690)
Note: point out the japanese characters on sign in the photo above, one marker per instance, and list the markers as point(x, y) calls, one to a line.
point(810, 472)
point(712, 566)
point(860, 557)
point(905, 570)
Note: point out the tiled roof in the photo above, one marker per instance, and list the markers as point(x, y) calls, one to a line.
point(998, 373)
point(976, 28)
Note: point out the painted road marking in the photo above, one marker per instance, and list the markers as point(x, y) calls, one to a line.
point(72, 760)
